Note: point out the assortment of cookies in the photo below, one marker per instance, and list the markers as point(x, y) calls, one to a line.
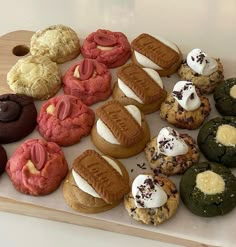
point(97, 181)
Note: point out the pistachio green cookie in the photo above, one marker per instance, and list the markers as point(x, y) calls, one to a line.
point(208, 189)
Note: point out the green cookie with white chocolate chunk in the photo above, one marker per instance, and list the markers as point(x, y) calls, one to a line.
point(208, 189)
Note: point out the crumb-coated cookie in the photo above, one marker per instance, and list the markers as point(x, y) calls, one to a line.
point(138, 86)
point(37, 167)
point(205, 72)
point(120, 131)
point(35, 76)
point(217, 140)
point(152, 200)
point(156, 53)
point(171, 153)
point(185, 107)
point(208, 189)
point(111, 48)
point(225, 97)
point(88, 80)
point(17, 117)
point(60, 43)
point(96, 183)
point(3, 159)
point(64, 119)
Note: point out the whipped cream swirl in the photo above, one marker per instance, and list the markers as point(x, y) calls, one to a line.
point(170, 143)
point(185, 93)
point(201, 63)
point(147, 192)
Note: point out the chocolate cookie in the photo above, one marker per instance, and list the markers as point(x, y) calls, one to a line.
point(17, 117)
point(3, 159)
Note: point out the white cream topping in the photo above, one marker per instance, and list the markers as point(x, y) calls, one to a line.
point(232, 92)
point(226, 135)
point(128, 92)
point(85, 186)
point(201, 63)
point(170, 143)
point(147, 193)
point(105, 132)
point(105, 48)
point(210, 183)
point(185, 93)
point(148, 63)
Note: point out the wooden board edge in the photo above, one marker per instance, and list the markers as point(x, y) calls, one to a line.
point(27, 209)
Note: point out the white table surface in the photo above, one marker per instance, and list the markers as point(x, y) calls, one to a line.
point(207, 24)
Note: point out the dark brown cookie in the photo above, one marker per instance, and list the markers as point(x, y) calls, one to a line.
point(3, 159)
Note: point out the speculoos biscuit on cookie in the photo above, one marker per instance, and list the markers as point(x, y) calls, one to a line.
point(185, 107)
point(107, 47)
point(96, 183)
point(60, 43)
point(156, 53)
point(3, 159)
point(17, 117)
point(138, 86)
point(153, 199)
point(120, 131)
point(37, 167)
point(88, 80)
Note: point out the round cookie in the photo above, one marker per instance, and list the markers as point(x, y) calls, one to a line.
point(107, 47)
point(153, 199)
point(156, 53)
point(225, 97)
point(185, 107)
point(120, 131)
point(17, 117)
point(208, 189)
point(64, 119)
point(217, 140)
point(37, 167)
point(88, 80)
point(35, 76)
point(205, 72)
point(89, 191)
point(58, 42)
point(171, 153)
point(3, 159)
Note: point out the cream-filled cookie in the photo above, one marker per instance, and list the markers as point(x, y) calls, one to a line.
point(120, 131)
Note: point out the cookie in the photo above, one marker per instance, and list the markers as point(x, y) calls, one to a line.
point(202, 70)
point(88, 80)
point(96, 183)
point(107, 47)
point(152, 200)
point(58, 42)
point(17, 117)
point(64, 119)
point(142, 87)
point(225, 97)
point(156, 53)
point(37, 167)
point(35, 76)
point(217, 140)
point(3, 159)
point(120, 131)
point(208, 189)
point(171, 153)
point(185, 107)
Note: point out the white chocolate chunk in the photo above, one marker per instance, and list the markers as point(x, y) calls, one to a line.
point(226, 135)
point(232, 92)
point(105, 48)
point(51, 109)
point(210, 183)
point(32, 168)
point(76, 72)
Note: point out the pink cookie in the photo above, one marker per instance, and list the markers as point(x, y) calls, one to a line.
point(37, 167)
point(88, 80)
point(64, 119)
point(111, 48)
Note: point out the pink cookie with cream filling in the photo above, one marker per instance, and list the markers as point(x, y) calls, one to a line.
point(88, 80)
point(37, 167)
point(110, 48)
point(64, 119)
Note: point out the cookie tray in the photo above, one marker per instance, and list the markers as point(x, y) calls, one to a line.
point(183, 229)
